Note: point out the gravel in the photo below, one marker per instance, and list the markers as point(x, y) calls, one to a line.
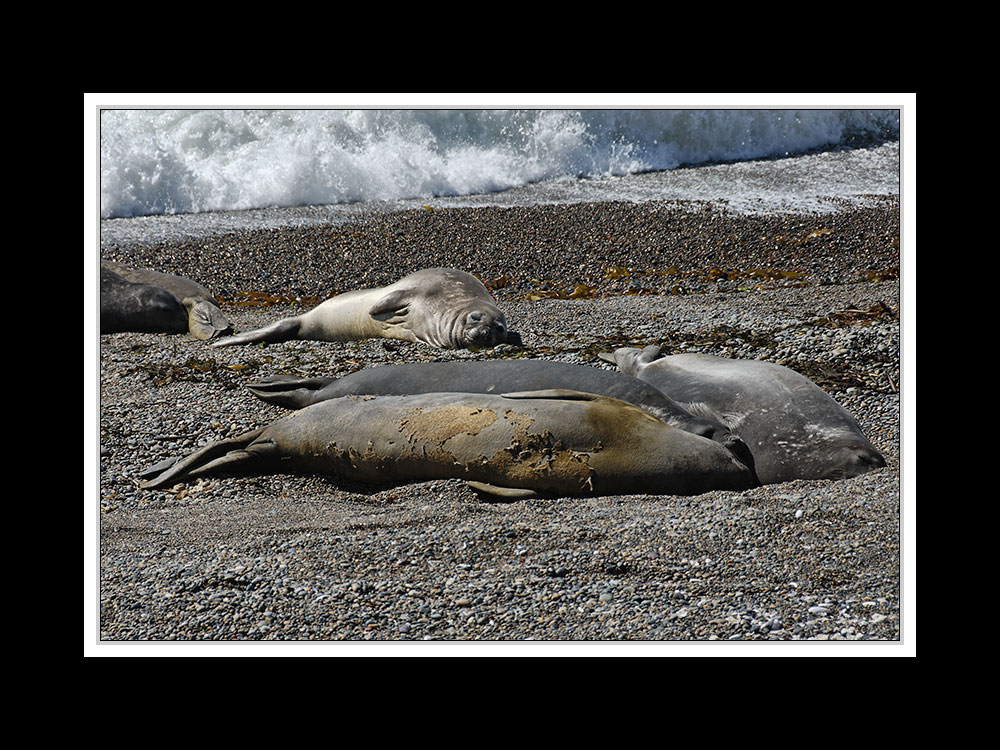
point(305, 558)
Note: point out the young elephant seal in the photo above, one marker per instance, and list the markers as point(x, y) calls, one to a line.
point(794, 429)
point(554, 442)
point(443, 307)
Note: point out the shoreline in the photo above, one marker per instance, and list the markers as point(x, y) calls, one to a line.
point(287, 557)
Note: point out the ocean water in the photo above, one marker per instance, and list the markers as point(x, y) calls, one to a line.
point(232, 168)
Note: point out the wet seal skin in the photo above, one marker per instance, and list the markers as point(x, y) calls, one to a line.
point(442, 307)
point(792, 427)
point(553, 442)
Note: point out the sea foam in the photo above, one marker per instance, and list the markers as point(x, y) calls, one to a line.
point(188, 161)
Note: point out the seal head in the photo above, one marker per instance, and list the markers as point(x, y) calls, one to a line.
point(481, 328)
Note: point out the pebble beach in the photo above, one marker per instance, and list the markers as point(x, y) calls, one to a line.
point(323, 563)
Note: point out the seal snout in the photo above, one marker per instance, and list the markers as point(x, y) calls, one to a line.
point(482, 329)
point(855, 462)
point(864, 460)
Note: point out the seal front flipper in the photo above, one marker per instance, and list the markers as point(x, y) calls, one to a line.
point(289, 392)
point(225, 455)
point(506, 493)
point(514, 338)
point(285, 329)
point(566, 394)
point(392, 308)
point(561, 393)
point(629, 359)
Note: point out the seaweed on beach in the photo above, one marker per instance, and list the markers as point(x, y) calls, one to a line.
point(266, 299)
point(197, 370)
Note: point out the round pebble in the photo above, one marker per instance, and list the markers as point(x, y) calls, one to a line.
point(294, 557)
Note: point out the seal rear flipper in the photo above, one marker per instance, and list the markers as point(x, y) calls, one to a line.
point(288, 392)
point(507, 493)
point(230, 452)
point(285, 329)
point(159, 468)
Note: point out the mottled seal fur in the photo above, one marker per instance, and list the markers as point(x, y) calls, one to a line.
point(139, 299)
point(794, 429)
point(500, 376)
point(442, 307)
point(553, 442)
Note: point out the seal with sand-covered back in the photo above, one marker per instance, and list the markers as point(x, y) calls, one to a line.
point(138, 299)
point(443, 307)
point(794, 429)
point(552, 442)
point(500, 376)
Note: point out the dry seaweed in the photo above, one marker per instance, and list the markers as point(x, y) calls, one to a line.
point(198, 370)
point(264, 299)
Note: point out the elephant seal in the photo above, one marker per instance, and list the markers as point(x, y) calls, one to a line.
point(794, 429)
point(135, 299)
point(500, 376)
point(128, 306)
point(553, 442)
point(443, 307)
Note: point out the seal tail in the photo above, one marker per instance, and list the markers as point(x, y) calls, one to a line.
point(285, 329)
point(287, 392)
point(225, 455)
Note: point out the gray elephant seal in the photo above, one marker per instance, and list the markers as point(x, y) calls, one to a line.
point(501, 376)
point(442, 307)
point(127, 306)
point(794, 429)
point(135, 299)
point(554, 442)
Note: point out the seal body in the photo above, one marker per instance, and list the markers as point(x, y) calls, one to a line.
point(793, 428)
point(442, 307)
point(137, 298)
point(145, 308)
point(500, 376)
point(555, 442)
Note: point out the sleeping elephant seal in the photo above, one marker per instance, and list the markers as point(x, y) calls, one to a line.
point(146, 308)
point(794, 429)
point(555, 442)
point(500, 376)
point(124, 304)
point(442, 307)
